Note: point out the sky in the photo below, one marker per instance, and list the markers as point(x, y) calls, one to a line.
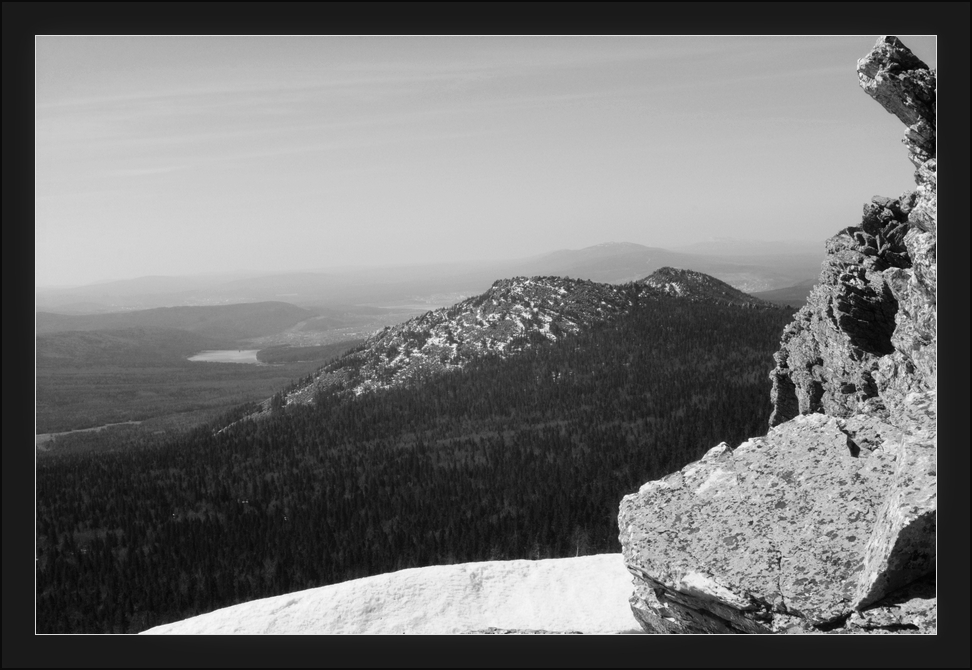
point(191, 155)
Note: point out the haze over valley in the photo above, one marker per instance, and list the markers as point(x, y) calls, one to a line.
point(750, 267)
point(94, 342)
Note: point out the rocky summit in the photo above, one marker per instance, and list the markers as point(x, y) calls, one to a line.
point(828, 522)
point(698, 286)
point(512, 315)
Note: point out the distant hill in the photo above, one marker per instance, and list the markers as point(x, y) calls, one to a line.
point(612, 263)
point(513, 315)
point(225, 322)
point(754, 270)
point(437, 285)
point(694, 285)
point(128, 347)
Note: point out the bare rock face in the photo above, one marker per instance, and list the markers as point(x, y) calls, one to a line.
point(828, 523)
point(867, 335)
point(904, 86)
point(796, 530)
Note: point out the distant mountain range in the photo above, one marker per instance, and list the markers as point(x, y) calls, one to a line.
point(430, 286)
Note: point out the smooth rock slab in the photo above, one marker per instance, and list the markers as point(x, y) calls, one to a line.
point(583, 594)
point(760, 538)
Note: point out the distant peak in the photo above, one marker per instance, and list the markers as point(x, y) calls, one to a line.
point(615, 245)
point(695, 285)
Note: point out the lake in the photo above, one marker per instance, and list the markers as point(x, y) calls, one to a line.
point(227, 356)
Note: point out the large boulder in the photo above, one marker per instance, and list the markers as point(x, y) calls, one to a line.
point(827, 523)
point(798, 530)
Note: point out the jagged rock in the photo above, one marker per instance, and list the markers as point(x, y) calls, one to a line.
point(826, 524)
point(913, 364)
point(924, 215)
point(904, 86)
point(866, 337)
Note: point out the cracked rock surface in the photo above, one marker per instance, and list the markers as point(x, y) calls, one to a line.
point(778, 526)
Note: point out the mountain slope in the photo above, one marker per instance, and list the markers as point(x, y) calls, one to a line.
point(512, 315)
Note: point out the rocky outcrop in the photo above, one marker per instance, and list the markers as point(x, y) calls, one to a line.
point(796, 530)
point(866, 337)
point(904, 86)
point(828, 522)
point(698, 286)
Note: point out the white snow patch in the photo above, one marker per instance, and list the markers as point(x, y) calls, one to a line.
point(588, 594)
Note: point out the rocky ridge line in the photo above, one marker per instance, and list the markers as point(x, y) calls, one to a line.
point(828, 522)
point(514, 314)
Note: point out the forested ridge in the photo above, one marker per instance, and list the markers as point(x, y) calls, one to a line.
point(518, 457)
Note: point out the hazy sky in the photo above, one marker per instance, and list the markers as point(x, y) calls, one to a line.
point(182, 155)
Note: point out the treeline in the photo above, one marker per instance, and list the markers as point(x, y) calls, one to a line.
point(526, 457)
